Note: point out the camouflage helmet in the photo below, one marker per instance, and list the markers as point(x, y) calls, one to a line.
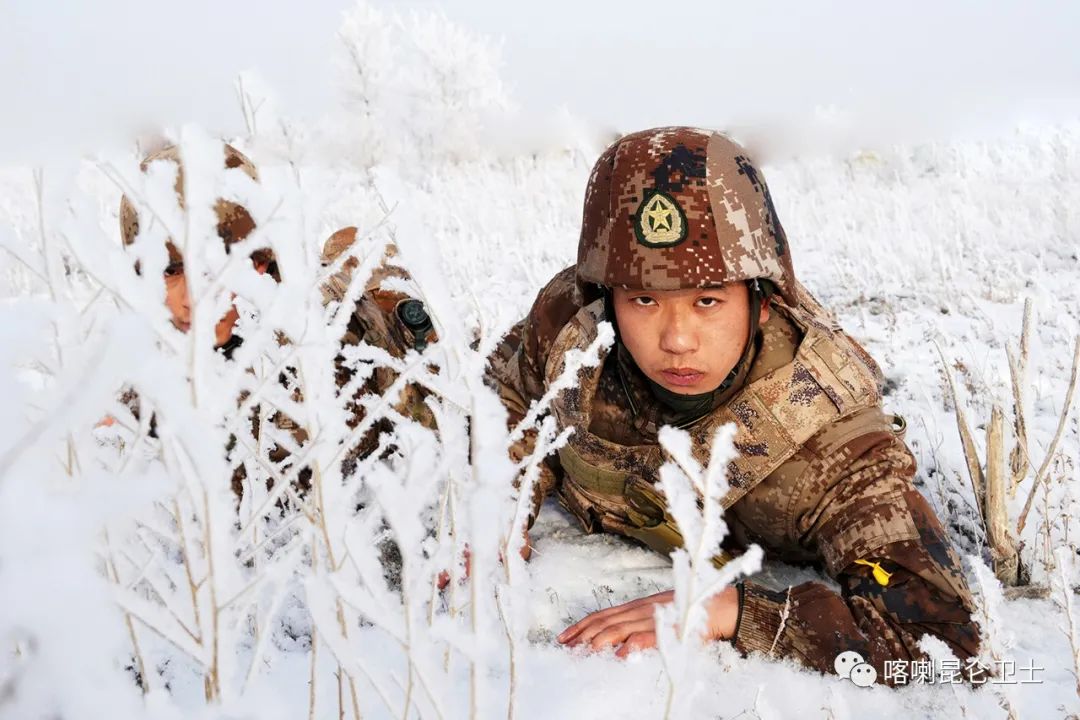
point(678, 207)
point(234, 221)
point(338, 282)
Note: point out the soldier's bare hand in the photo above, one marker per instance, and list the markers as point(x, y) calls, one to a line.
point(632, 626)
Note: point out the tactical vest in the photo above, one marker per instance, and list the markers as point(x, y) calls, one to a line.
point(616, 486)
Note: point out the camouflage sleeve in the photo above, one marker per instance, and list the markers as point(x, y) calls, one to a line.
point(374, 321)
point(516, 368)
point(868, 512)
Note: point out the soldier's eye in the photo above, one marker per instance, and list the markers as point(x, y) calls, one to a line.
point(709, 301)
point(642, 300)
point(174, 269)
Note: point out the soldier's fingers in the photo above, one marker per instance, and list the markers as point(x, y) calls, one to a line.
point(570, 634)
point(588, 626)
point(638, 608)
point(597, 625)
point(620, 632)
point(637, 641)
point(648, 601)
point(584, 630)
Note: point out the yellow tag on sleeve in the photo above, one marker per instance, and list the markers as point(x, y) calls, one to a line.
point(879, 573)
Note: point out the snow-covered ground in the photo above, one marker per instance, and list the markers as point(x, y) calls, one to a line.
point(912, 248)
point(915, 248)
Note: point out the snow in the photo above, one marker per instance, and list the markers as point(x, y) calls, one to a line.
point(914, 247)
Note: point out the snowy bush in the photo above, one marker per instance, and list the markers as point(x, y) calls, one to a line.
point(208, 589)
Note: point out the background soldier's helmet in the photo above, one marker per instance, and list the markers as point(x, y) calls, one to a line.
point(677, 207)
point(234, 221)
point(338, 282)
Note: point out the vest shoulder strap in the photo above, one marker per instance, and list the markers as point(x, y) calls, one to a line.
point(778, 413)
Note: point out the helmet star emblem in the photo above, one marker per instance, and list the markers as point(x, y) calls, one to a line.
point(660, 221)
point(659, 215)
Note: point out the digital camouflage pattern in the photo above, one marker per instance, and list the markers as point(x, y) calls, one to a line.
point(234, 221)
point(824, 478)
point(676, 208)
point(823, 474)
point(234, 224)
point(774, 412)
point(373, 320)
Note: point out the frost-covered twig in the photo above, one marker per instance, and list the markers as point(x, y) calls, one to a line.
point(1040, 476)
point(1065, 557)
point(140, 665)
point(998, 533)
point(1019, 458)
point(688, 487)
point(575, 360)
point(785, 613)
point(971, 455)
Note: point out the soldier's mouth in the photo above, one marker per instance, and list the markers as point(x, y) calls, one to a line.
point(682, 377)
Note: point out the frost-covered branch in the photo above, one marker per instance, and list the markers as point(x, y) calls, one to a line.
point(694, 498)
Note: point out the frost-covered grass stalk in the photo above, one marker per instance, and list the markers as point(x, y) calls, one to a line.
point(694, 497)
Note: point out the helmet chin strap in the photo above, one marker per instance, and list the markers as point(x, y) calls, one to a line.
point(689, 408)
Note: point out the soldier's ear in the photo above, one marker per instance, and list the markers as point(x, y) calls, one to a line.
point(764, 316)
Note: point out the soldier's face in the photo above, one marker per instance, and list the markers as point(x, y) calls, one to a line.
point(686, 340)
point(178, 300)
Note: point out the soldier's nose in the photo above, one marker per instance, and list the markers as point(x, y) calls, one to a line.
point(677, 338)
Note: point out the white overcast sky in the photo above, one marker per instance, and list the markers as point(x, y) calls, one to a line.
point(76, 75)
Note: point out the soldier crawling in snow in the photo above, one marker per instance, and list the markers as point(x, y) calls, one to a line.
point(682, 252)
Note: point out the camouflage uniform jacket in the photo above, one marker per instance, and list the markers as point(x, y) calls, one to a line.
point(823, 477)
point(374, 321)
